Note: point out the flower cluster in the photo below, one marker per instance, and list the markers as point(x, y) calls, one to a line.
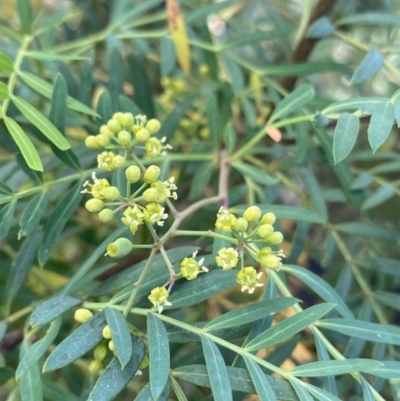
point(135, 213)
point(262, 230)
point(144, 206)
point(228, 222)
point(100, 351)
point(193, 125)
point(122, 133)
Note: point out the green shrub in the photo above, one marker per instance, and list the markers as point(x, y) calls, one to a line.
point(191, 191)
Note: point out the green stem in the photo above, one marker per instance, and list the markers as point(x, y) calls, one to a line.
point(17, 315)
point(168, 263)
point(365, 48)
point(136, 285)
point(338, 356)
point(249, 145)
point(138, 162)
point(32, 191)
point(365, 288)
point(13, 77)
point(89, 40)
point(209, 233)
point(293, 120)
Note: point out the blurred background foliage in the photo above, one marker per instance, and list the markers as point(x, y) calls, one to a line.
point(244, 57)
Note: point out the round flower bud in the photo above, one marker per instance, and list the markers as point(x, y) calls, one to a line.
point(265, 230)
point(178, 85)
point(136, 128)
point(111, 345)
point(114, 126)
point(205, 133)
point(204, 70)
point(142, 135)
point(241, 225)
point(118, 161)
point(127, 119)
point(82, 315)
point(152, 173)
point(102, 140)
point(106, 215)
point(107, 332)
point(91, 142)
point(119, 248)
point(94, 205)
point(124, 138)
point(271, 262)
point(132, 174)
point(118, 116)
point(100, 352)
point(104, 130)
point(252, 213)
point(185, 123)
point(151, 195)
point(165, 82)
point(95, 366)
point(153, 126)
point(268, 218)
point(111, 193)
point(275, 238)
point(197, 118)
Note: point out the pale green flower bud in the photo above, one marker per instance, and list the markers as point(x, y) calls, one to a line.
point(111, 193)
point(142, 135)
point(241, 225)
point(104, 130)
point(82, 315)
point(118, 161)
point(118, 116)
point(185, 123)
point(111, 345)
point(275, 238)
point(150, 195)
point(252, 213)
point(114, 126)
point(152, 173)
point(100, 352)
point(103, 140)
point(265, 230)
point(119, 248)
point(132, 174)
point(106, 215)
point(268, 218)
point(94, 205)
point(136, 128)
point(271, 262)
point(127, 119)
point(124, 138)
point(153, 126)
point(107, 332)
point(95, 366)
point(91, 142)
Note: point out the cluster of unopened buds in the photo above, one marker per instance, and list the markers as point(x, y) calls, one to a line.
point(262, 231)
point(122, 134)
point(144, 206)
point(101, 350)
